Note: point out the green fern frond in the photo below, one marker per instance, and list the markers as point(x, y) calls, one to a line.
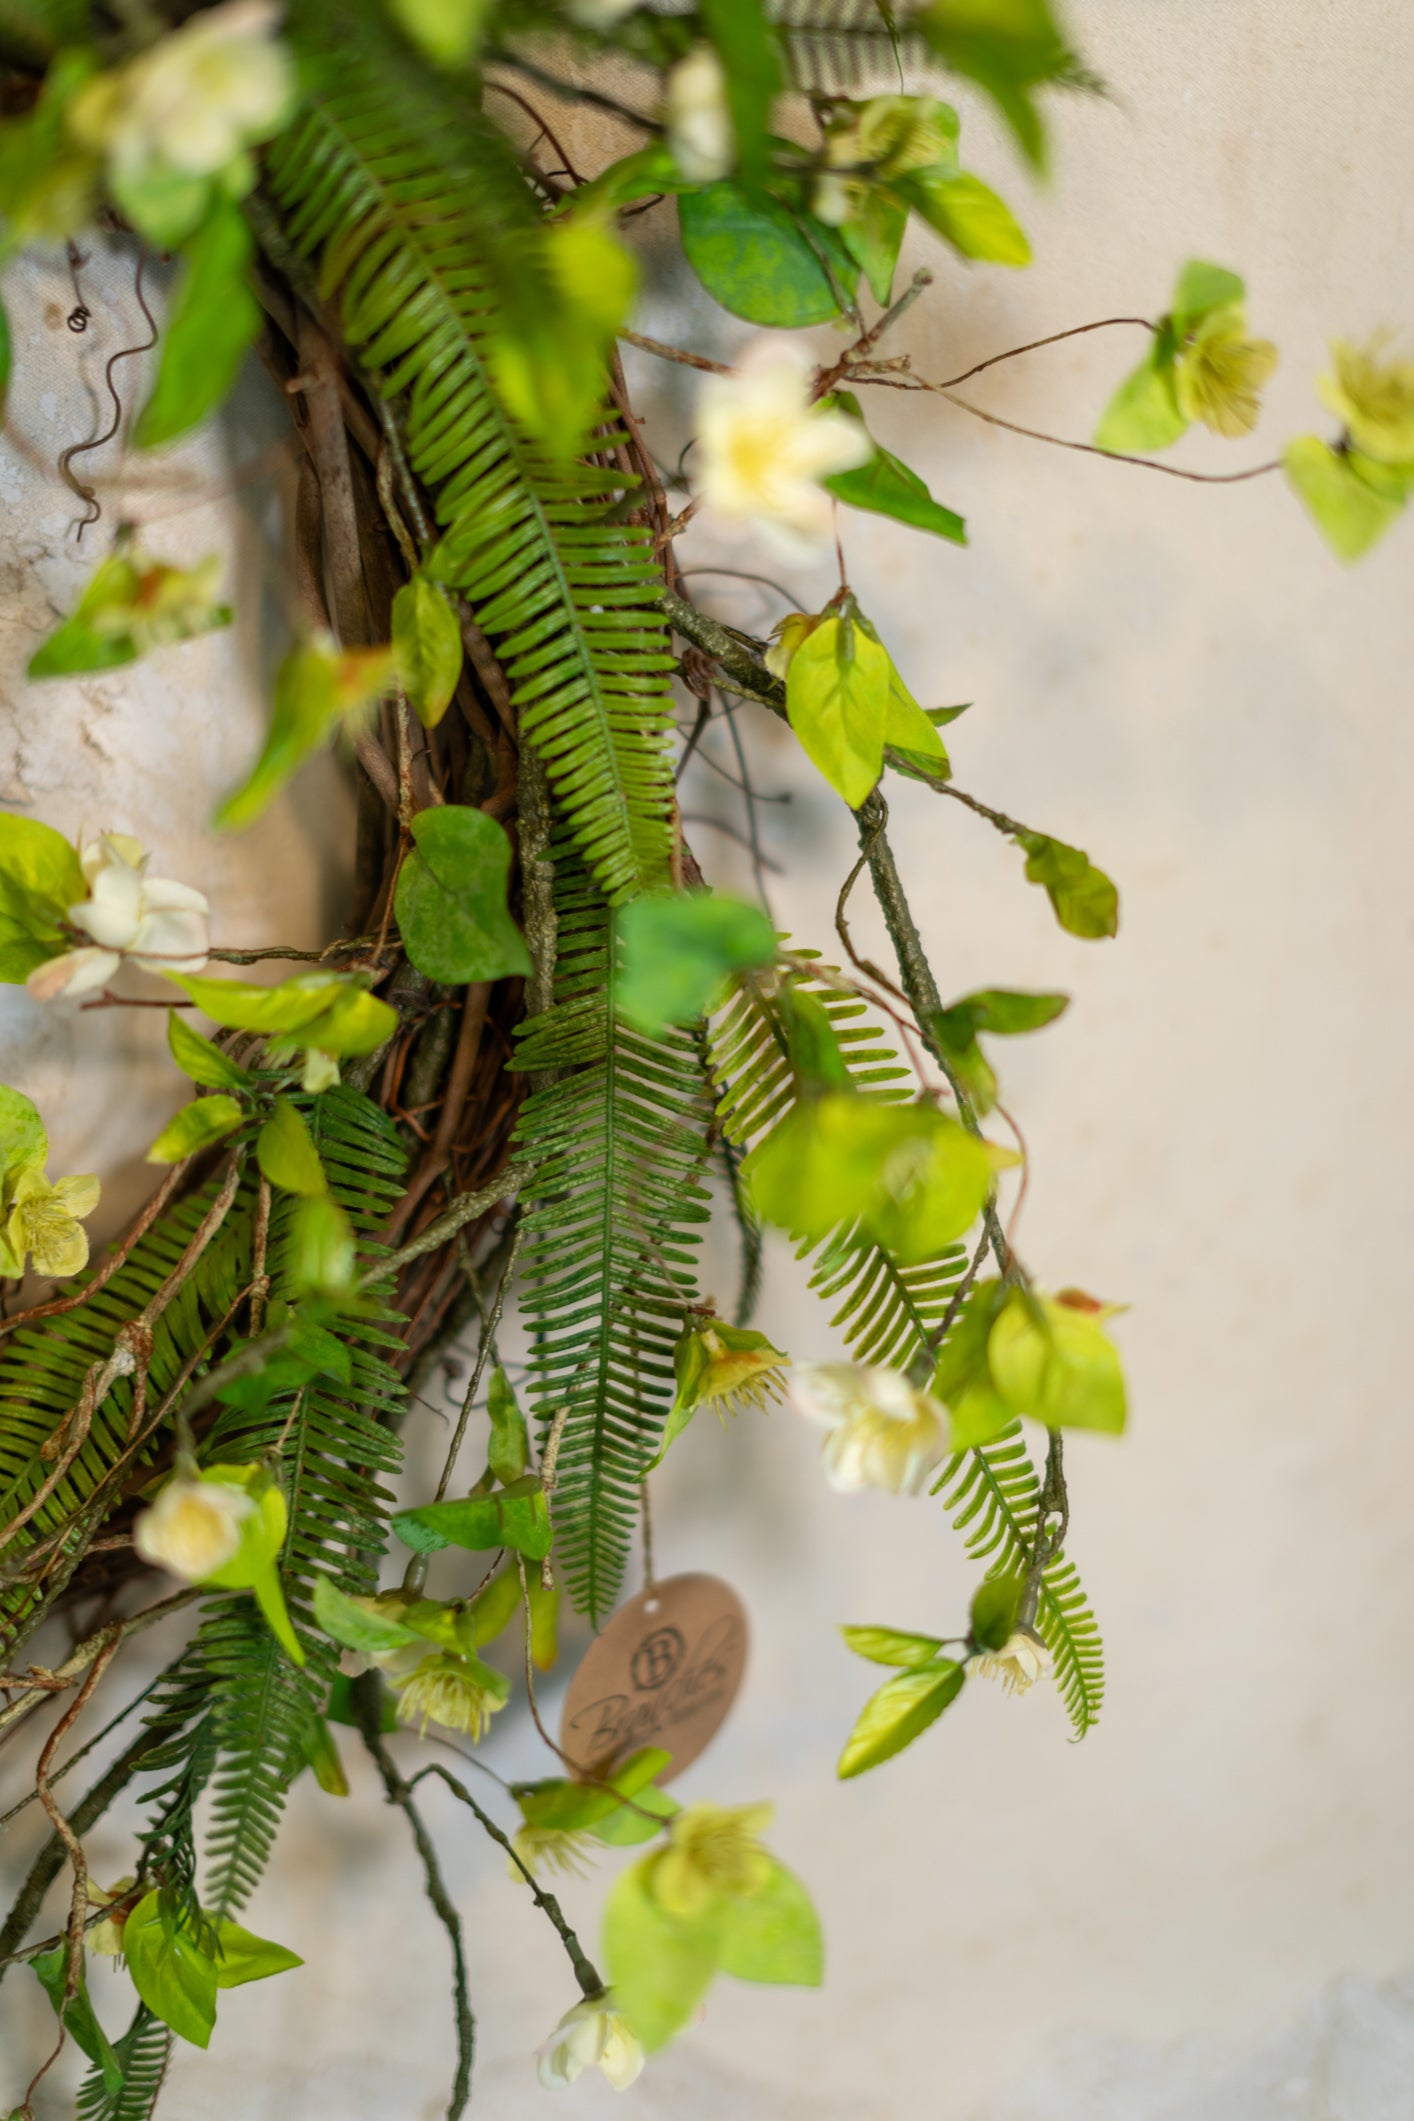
point(994, 1495)
point(382, 182)
point(619, 1142)
point(143, 2055)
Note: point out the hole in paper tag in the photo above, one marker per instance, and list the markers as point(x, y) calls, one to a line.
point(664, 1672)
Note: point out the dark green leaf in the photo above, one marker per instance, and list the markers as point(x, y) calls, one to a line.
point(1009, 1011)
point(451, 898)
point(80, 2019)
point(995, 1609)
point(323, 1754)
point(886, 487)
point(213, 320)
point(1086, 902)
point(761, 260)
point(679, 950)
point(196, 1126)
point(895, 1716)
point(515, 1517)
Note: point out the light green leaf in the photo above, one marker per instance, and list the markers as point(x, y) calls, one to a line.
point(515, 1517)
point(196, 1126)
point(1350, 514)
point(679, 949)
point(968, 214)
point(241, 1005)
point(1144, 415)
point(213, 320)
point(1057, 1364)
point(761, 260)
point(931, 1188)
point(813, 1049)
point(1201, 289)
point(772, 1934)
point(569, 1807)
point(746, 45)
point(627, 1827)
point(820, 1165)
point(171, 1973)
point(891, 1645)
point(447, 31)
point(80, 2019)
point(509, 1453)
point(241, 1957)
point(1001, 1010)
point(352, 1622)
point(995, 1609)
point(660, 1967)
point(427, 642)
point(286, 1153)
point(837, 698)
point(451, 898)
point(1086, 902)
point(322, 1754)
point(40, 879)
point(318, 687)
point(1009, 47)
point(886, 487)
point(322, 1249)
point(5, 357)
point(895, 1716)
point(23, 1141)
point(200, 1061)
point(874, 236)
point(549, 361)
point(131, 604)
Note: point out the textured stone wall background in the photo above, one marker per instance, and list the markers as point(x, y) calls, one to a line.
point(1205, 1912)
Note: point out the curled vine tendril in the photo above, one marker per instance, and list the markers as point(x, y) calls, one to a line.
point(77, 449)
point(79, 316)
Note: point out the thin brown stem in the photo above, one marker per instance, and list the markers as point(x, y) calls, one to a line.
point(677, 353)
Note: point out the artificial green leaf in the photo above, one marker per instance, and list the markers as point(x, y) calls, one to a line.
point(175, 1978)
point(763, 260)
point(544, 1623)
point(1086, 902)
point(1056, 1362)
point(243, 1006)
point(509, 1452)
point(339, 1708)
point(962, 1378)
point(200, 1060)
point(812, 1047)
point(286, 1153)
point(447, 31)
point(1144, 414)
point(995, 1610)
point(746, 45)
point(1201, 289)
point(660, 1967)
point(212, 322)
point(241, 1957)
point(1003, 1010)
point(820, 1165)
point(931, 1188)
point(196, 1126)
point(24, 1145)
point(494, 1606)
point(886, 487)
point(269, 1595)
point(891, 1645)
point(873, 236)
point(322, 1246)
point(5, 357)
point(837, 698)
point(355, 1624)
point(40, 879)
point(322, 1754)
point(549, 360)
point(569, 1807)
point(772, 1934)
point(132, 604)
point(895, 1716)
point(1350, 514)
point(1008, 47)
point(318, 688)
point(968, 214)
point(427, 642)
point(354, 1022)
point(680, 948)
point(629, 1828)
point(648, 172)
point(451, 898)
point(515, 1517)
point(80, 2019)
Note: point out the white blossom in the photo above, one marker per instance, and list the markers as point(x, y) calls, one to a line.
point(699, 120)
point(1019, 1663)
point(764, 448)
point(194, 1526)
point(883, 1432)
point(591, 2036)
point(161, 925)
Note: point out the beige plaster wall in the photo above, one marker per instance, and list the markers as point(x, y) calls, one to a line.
point(1180, 679)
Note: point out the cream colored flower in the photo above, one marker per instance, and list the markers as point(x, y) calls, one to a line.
point(194, 1527)
point(1373, 394)
point(1219, 373)
point(591, 2036)
point(189, 104)
point(765, 448)
point(161, 925)
point(712, 1849)
point(883, 1433)
point(1019, 1663)
point(553, 1848)
point(44, 1221)
point(460, 1693)
point(699, 121)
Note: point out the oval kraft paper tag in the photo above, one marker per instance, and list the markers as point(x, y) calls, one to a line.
point(664, 1672)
